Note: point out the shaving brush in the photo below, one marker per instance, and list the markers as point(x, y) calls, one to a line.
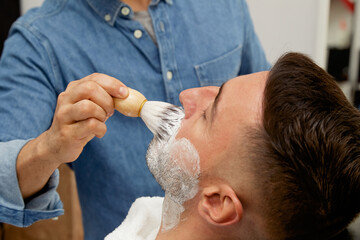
point(132, 105)
point(160, 117)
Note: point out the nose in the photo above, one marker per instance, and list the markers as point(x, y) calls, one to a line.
point(196, 99)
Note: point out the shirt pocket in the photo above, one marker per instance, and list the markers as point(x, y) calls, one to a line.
point(216, 71)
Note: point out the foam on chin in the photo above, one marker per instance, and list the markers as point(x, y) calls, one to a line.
point(175, 163)
point(176, 167)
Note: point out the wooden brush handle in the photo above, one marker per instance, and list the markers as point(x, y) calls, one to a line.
point(130, 106)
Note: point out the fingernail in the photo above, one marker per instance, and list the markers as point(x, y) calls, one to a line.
point(123, 92)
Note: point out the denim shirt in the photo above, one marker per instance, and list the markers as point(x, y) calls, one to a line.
point(199, 43)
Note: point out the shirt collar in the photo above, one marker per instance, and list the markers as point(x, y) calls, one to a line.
point(109, 9)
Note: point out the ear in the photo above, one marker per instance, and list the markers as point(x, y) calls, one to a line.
point(219, 205)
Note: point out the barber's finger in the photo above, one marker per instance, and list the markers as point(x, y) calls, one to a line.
point(92, 91)
point(89, 128)
point(111, 85)
point(85, 109)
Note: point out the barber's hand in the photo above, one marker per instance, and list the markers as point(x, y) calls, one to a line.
point(80, 115)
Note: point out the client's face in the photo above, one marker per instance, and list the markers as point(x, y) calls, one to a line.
point(214, 117)
point(197, 141)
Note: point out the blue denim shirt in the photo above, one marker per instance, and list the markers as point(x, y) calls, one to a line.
point(202, 42)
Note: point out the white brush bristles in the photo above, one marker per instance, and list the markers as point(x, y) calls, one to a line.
point(160, 117)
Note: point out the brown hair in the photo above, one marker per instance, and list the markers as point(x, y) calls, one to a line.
point(310, 143)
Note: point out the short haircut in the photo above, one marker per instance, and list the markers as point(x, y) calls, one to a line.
point(310, 152)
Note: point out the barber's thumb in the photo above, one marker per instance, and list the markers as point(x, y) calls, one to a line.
point(123, 92)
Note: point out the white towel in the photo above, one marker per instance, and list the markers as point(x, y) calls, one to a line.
point(142, 222)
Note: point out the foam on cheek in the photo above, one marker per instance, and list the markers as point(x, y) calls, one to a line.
point(185, 160)
point(175, 163)
point(176, 167)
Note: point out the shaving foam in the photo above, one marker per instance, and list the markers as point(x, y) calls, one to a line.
point(174, 163)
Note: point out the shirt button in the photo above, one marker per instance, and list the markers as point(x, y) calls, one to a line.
point(169, 75)
point(107, 17)
point(138, 34)
point(125, 11)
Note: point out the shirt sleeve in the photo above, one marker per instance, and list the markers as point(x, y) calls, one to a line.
point(253, 57)
point(13, 209)
point(27, 104)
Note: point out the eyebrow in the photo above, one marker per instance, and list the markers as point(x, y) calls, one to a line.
point(216, 101)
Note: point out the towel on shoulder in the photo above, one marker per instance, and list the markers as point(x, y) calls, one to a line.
point(142, 222)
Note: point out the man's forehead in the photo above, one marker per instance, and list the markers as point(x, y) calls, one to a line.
point(251, 84)
point(241, 96)
point(259, 76)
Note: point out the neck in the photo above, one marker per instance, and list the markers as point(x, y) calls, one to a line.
point(179, 222)
point(183, 230)
point(190, 229)
point(138, 5)
point(171, 214)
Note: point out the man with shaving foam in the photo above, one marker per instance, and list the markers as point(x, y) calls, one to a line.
point(272, 155)
point(56, 95)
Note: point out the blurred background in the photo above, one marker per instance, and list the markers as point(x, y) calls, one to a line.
point(326, 30)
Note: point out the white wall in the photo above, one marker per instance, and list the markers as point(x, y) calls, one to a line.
point(27, 4)
point(292, 25)
point(354, 67)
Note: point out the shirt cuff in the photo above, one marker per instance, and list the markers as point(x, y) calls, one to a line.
point(13, 209)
